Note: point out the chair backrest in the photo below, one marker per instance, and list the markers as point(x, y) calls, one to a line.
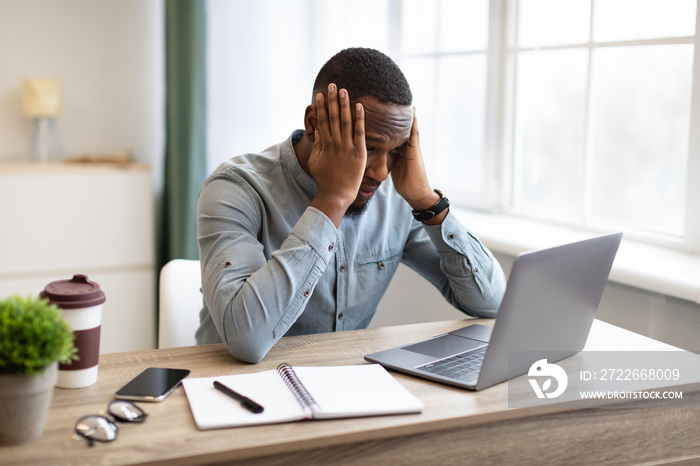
point(180, 303)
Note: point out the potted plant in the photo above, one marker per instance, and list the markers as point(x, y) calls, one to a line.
point(34, 337)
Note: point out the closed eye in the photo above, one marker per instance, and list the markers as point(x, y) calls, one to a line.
point(398, 150)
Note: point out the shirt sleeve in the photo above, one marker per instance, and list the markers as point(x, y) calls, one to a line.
point(253, 301)
point(451, 258)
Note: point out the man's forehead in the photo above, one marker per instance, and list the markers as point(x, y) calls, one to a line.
point(376, 109)
point(386, 120)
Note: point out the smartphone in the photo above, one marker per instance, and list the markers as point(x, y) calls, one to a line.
point(153, 384)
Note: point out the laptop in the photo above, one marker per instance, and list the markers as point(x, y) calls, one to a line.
point(547, 310)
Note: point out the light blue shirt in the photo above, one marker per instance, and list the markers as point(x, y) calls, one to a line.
point(273, 266)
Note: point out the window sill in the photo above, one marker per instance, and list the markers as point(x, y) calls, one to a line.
point(638, 265)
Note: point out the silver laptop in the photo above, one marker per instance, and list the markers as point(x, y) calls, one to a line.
point(548, 309)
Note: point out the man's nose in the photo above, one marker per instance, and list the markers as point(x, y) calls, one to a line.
point(379, 165)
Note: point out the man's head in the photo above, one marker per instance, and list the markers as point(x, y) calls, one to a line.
point(365, 73)
point(373, 79)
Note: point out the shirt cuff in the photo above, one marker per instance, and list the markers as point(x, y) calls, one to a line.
point(449, 236)
point(318, 231)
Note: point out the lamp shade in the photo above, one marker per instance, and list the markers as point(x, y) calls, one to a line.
point(42, 97)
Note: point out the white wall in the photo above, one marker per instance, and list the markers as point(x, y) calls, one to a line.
point(109, 54)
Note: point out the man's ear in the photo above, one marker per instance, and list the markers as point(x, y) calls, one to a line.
point(310, 123)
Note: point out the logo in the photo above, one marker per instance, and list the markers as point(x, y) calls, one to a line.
point(543, 370)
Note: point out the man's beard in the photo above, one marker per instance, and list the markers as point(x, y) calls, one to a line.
point(354, 212)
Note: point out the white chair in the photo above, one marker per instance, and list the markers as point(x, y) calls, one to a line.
point(180, 303)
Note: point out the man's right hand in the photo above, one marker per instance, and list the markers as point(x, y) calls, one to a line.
point(339, 154)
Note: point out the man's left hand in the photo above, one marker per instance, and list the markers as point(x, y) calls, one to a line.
point(410, 178)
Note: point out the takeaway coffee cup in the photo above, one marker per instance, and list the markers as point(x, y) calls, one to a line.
point(80, 301)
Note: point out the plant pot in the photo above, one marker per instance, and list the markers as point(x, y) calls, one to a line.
point(24, 404)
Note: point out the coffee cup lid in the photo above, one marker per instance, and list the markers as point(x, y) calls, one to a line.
point(76, 293)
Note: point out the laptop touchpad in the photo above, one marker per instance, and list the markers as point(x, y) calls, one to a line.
point(446, 345)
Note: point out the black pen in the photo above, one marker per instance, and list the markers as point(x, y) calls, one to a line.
point(246, 402)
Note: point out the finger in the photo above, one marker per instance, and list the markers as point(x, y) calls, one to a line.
point(333, 111)
point(316, 148)
point(322, 116)
point(318, 142)
point(360, 126)
point(415, 138)
point(345, 116)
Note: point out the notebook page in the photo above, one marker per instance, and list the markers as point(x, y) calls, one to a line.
point(362, 390)
point(212, 409)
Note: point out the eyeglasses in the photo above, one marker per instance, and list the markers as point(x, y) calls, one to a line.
point(102, 428)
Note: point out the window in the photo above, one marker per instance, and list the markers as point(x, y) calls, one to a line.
point(263, 57)
point(444, 51)
point(602, 113)
point(576, 112)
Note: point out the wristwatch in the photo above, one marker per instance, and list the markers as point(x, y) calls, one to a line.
point(442, 204)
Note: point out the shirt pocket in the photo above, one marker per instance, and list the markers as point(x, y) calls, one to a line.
point(371, 277)
point(378, 266)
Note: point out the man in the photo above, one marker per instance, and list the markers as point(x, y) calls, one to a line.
point(305, 236)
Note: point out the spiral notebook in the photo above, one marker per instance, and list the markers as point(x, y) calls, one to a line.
point(297, 393)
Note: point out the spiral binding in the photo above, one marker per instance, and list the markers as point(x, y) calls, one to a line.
point(291, 380)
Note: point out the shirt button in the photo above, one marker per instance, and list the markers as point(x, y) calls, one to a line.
point(340, 316)
point(330, 248)
point(381, 265)
point(476, 269)
point(307, 293)
point(451, 236)
point(342, 268)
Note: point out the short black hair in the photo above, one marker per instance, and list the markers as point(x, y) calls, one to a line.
point(365, 72)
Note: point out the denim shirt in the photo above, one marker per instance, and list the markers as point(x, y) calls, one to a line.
point(274, 266)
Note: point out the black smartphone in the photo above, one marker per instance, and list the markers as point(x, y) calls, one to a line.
point(153, 384)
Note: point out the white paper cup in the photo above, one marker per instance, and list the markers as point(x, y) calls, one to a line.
point(81, 302)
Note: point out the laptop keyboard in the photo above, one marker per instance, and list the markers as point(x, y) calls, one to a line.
point(460, 366)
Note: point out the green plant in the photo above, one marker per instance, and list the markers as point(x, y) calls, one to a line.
point(33, 334)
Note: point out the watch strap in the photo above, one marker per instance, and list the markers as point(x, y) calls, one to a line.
point(438, 207)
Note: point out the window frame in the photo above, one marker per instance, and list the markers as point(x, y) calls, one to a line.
point(692, 204)
point(690, 240)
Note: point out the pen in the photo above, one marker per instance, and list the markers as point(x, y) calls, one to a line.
point(246, 402)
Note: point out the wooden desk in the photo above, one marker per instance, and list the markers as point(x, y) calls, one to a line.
point(456, 426)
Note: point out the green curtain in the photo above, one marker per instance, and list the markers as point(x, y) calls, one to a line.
point(186, 125)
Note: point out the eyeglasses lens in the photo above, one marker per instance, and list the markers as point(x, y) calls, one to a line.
point(97, 428)
point(126, 411)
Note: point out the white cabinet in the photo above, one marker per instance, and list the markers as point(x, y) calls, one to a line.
point(57, 220)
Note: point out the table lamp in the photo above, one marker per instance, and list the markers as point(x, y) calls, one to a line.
point(41, 100)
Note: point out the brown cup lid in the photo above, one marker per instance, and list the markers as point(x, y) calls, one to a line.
point(76, 293)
